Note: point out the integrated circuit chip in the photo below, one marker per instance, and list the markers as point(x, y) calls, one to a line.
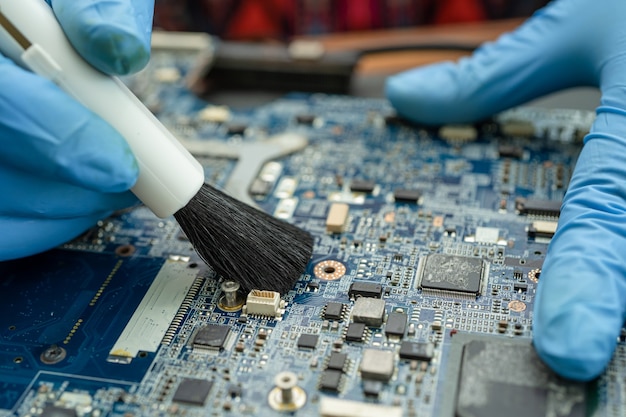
point(377, 364)
point(539, 207)
point(449, 273)
point(493, 376)
point(330, 380)
point(54, 411)
point(355, 332)
point(333, 310)
point(362, 186)
point(396, 324)
point(337, 361)
point(370, 311)
point(211, 337)
point(192, 391)
point(365, 289)
point(406, 196)
point(307, 341)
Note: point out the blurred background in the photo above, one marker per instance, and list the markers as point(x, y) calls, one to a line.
point(265, 48)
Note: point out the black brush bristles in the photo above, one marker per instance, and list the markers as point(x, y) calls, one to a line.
point(244, 244)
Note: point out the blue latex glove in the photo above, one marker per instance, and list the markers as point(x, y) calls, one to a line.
point(61, 167)
point(581, 301)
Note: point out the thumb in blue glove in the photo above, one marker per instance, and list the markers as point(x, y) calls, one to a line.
point(581, 300)
point(61, 167)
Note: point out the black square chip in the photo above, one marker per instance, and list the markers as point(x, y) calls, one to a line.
point(192, 391)
point(337, 361)
point(307, 341)
point(330, 380)
point(520, 384)
point(396, 324)
point(355, 332)
point(333, 311)
point(211, 336)
point(457, 274)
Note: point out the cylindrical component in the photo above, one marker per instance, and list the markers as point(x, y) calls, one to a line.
point(168, 175)
point(286, 382)
point(230, 298)
point(286, 394)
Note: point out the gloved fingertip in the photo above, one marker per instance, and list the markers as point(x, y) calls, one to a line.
point(426, 94)
point(114, 174)
point(27, 236)
point(577, 344)
point(114, 36)
point(117, 51)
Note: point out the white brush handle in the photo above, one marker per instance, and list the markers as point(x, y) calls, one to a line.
point(168, 175)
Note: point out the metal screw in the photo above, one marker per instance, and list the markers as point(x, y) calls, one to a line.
point(286, 381)
point(230, 289)
point(53, 354)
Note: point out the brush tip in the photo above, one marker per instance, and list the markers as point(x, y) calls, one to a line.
point(244, 244)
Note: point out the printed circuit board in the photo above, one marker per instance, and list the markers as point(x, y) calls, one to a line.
point(417, 301)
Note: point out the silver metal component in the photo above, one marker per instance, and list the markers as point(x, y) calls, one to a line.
point(232, 300)
point(53, 355)
point(287, 395)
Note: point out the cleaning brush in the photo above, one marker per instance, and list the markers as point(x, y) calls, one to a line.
point(238, 241)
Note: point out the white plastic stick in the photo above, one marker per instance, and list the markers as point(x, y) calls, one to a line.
point(168, 175)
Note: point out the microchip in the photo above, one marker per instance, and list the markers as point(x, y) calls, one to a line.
point(355, 332)
point(396, 324)
point(333, 311)
point(365, 289)
point(520, 384)
point(370, 311)
point(362, 186)
point(307, 341)
point(539, 207)
point(416, 351)
point(377, 364)
point(406, 196)
point(54, 411)
point(450, 273)
point(211, 337)
point(330, 380)
point(372, 388)
point(192, 391)
point(520, 286)
point(337, 361)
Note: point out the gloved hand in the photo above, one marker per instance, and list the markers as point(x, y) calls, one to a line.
point(581, 301)
point(61, 167)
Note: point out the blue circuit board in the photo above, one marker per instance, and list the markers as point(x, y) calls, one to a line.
point(417, 301)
